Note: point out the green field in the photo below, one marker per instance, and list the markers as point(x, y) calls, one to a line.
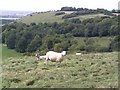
point(89, 70)
point(7, 53)
point(83, 17)
point(99, 70)
point(50, 17)
point(103, 41)
point(42, 18)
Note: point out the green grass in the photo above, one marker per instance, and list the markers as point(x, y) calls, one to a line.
point(7, 53)
point(83, 17)
point(98, 43)
point(42, 18)
point(50, 17)
point(103, 41)
point(99, 70)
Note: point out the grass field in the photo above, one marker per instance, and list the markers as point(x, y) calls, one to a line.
point(103, 41)
point(99, 70)
point(42, 18)
point(7, 53)
point(50, 17)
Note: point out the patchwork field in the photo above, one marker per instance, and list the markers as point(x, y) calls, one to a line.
point(98, 70)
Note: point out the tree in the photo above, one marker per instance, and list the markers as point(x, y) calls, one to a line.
point(33, 24)
point(65, 44)
point(10, 41)
point(48, 42)
point(34, 44)
point(78, 32)
point(115, 44)
point(58, 47)
point(21, 46)
point(113, 30)
point(3, 38)
point(104, 27)
point(23, 42)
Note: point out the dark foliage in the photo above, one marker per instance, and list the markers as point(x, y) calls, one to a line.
point(83, 11)
point(60, 13)
point(58, 36)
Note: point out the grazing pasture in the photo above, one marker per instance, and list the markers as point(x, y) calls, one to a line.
point(6, 53)
point(50, 17)
point(99, 70)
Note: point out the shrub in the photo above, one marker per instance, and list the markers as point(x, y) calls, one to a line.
point(90, 48)
point(58, 47)
point(59, 13)
point(115, 44)
point(102, 49)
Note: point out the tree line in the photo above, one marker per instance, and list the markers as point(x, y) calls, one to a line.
point(84, 11)
point(58, 36)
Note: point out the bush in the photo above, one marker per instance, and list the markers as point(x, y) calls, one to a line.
point(73, 48)
point(82, 48)
point(58, 47)
point(89, 41)
point(59, 13)
point(90, 48)
point(115, 44)
point(102, 49)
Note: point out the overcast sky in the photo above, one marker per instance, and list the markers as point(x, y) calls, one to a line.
point(46, 5)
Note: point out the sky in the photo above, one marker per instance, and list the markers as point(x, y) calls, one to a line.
point(46, 5)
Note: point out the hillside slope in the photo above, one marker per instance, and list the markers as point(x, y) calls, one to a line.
point(7, 53)
point(94, 70)
point(50, 17)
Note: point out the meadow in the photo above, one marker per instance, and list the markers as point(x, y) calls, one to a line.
point(91, 70)
point(6, 53)
point(50, 17)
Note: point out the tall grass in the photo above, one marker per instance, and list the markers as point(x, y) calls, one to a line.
point(98, 70)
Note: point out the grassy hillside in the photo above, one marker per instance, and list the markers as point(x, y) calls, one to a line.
point(84, 71)
point(7, 53)
point(42, 17)
point(83, 17)
point(99, 70)
point(103, 41)
point(99, 44)
point(50, 17)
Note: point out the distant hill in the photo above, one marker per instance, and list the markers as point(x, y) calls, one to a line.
point(8, 16)
point(56, 30)
point(11, 13)
point(63, 14)
point(50, 17)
